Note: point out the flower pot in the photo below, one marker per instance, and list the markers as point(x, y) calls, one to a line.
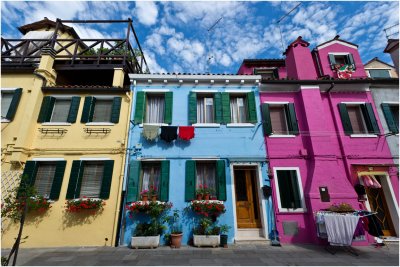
point(154, 198)
point(199, 197)
point(145, 241)
point(206, 197)
point(145, 197)
point(206, 240)
point(224, 241)
point(176, 240)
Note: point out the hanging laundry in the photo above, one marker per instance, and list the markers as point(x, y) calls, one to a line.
point(168, 133)
point(186, 132)
point(150, 132)
point(340, 228)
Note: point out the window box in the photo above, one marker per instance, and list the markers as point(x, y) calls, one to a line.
point(145, 241)
point(151, 208)
point(84, 203)
point(208, 208)
point(206, 240)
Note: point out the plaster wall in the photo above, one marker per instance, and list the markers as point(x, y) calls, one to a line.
point(380, 65)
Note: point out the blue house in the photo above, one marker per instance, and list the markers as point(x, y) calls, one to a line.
point(227, 153)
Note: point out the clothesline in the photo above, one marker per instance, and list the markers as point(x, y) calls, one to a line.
point(356, 212)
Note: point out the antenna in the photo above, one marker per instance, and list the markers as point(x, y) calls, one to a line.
point(210, 56)
point(389, 32)
point(279, 26)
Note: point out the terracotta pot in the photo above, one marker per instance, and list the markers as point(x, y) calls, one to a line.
point(176, 240)
point(145, 197)
point(206, 197)
point(154, 198)
point(199, 196)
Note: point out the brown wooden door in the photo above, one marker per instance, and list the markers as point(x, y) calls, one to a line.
point(377, 201)
point(247, 213)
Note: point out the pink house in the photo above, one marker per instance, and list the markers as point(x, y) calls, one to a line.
point(323, 137)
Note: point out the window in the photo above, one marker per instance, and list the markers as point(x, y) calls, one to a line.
point(341, 59)
point(358, 118)
point(205, 175)
point(151, 174)
point(9, 103)
point(290, 189)
point(391, 113)
point(59, 109)
point(279, 119)
point(205, 109)
point(238, 109)
point(271, 73)
point(101, 109)
point(92, 177)
point(155, 108)
point(379, 73)
point(44, 178)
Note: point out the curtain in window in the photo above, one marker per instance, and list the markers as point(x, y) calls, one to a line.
point(278, 119)
point(61, 110)
point(238, 110)
point(155, 109)
point(151, 176)
point(91, 179)
point(205, 175)
point(102, 111)
point(356, 119)
point(6, 99)
point(44, 178)
point(205, 110)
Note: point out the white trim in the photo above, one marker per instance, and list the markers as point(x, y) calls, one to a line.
point(9, 89)
point(353, 103)
point(157, 124)
point(329, 43)
point(206, 125)
point(299, 182)
point(363, 135)
point(239, 125)
point(103, 97)
point(56, 124)
point(156, 90)
point(237, 91)
point(306, 87)
point(339, 53)
point(153, 159)
point(99, 124)
point(5, 121)
point(276, 103)
point(204, 91)
point(47, 159)
point(206, 159)
point(282, 135)
point(94, 159)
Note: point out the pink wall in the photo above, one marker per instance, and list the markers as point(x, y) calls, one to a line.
point(248, 70)
point(299, 63)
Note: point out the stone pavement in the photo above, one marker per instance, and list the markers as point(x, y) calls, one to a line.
point(244, 254)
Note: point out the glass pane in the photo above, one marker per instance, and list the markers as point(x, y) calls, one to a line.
point(357, 119)
point(395, 112)
point(238, 110)
point(241, 110)
point(200, 110)
point(92, 179)
point(151, 173)
point(44, 178)
point(155, 109)
point(5, 103)
point(278, 119)
point(102, 111)
point(340, 60)
point(240, 185)
point(206, 175)
point(209, 102)
point(289, 191)
point(61, 110)
point(379, 73)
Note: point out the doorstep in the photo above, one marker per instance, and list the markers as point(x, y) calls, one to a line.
point(391, 239)
point(249, 235)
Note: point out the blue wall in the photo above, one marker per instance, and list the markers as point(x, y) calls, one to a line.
point(223, 142)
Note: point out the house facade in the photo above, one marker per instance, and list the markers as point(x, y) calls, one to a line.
point(65, 113)
point(226, 153)
point(323, 135)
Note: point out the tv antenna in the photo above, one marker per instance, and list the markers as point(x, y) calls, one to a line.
point(391, 30)
point(279, 26)
point(210, 56)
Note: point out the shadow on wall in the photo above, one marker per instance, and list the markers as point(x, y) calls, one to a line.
point(72, 219)
point(182, 144)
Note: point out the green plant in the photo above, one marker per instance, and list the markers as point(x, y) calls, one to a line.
point(154, 208)
point(341, 207)
point(176, 227)
point(204, 227)
point(76, 205)
point(208, 208)
point(149, 229)
point(224, 228)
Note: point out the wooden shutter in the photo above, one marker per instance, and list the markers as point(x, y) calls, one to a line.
point(58, 179)
point(226, 107)
point(116, 109)
point(266, 119)
point(217, 108)
point(75, 180)
point(140, 107)
point(332, 60)
point(168, 107)
point(292, 120)
point(14, 104)
point(373, 123)
point(192, 116)
point(351, 60)
point(393, 127)
point(190, 180)
point(251, 107)
point(295, 190)
point(284, 188)
point(221, 180)
point(46, 109)
point(133, 181)
point(344, 115)
point(28, 177)
point(88, 109)
point(107, 179)
point(73, 109)
point(164, 183)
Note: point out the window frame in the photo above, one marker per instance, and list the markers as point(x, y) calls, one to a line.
point(209, 161)
point(303, 209)
point(284, 104)
point(102, 97)
point(236, 96)
point(267, 70)
point(388, 70)
point(159, 94)
point(204, 95)
point(366, 135)
point(60, 123)
point(390, 104)
point(346, 54)
point(8, 91)
point(154, 163)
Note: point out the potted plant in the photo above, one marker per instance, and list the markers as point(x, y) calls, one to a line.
point(84, 203)
point(176, 230)
point(199, 192)
point(224, 228)
point(145, 195)
point(147, 235)
point(205, 234)
point(341, 208)
point(153, 192)
point(206, 192)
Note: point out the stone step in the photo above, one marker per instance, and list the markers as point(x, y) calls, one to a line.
point(249, 234)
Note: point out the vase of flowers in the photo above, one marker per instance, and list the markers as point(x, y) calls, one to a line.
point(145, 195)
point(153, 192)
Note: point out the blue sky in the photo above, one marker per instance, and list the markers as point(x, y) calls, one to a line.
point(174, 35)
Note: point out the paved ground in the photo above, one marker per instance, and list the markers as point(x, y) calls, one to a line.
point(260, 254)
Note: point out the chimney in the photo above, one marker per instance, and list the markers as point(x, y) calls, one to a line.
point(299, 62)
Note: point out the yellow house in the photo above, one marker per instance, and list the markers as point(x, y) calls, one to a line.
point(65, 117)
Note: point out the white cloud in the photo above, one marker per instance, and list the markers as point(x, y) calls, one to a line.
point(152, 62)
point(146, 12)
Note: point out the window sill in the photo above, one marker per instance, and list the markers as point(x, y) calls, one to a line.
point(363, 135)
point(5, 121)
point(282, 136)
point(156, 124)
point(99, 124)
point(240, 125)
point(56, 124)
point(291, 211)
point(206, 125)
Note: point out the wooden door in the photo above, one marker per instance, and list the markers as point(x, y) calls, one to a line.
point(247, 212)
point(377, 202)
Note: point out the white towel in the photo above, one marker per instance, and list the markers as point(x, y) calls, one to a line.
point(340, 228)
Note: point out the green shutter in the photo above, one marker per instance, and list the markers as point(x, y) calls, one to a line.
point(217, 108)
point(251, 107)
point(226, 108)
point(73, 109)
point(344, 115)
point(292, 120)
point(190, 180)
point(46, 109)
point(168, 107)
point(107, 178)
point(75, 180)
point(58, 179)
point(295, 190)
point(116, 109)
point(221, 180)
point(133, 182)
point(28, 176)
point(88, 109)
point(266, 119)
point(351, 60)
point(393, 127)
point(164, 183)
point(140, 107)
point(374, 128)
point(284, 189)
point(14, 104)
point(332, 61)
point(192, 119)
